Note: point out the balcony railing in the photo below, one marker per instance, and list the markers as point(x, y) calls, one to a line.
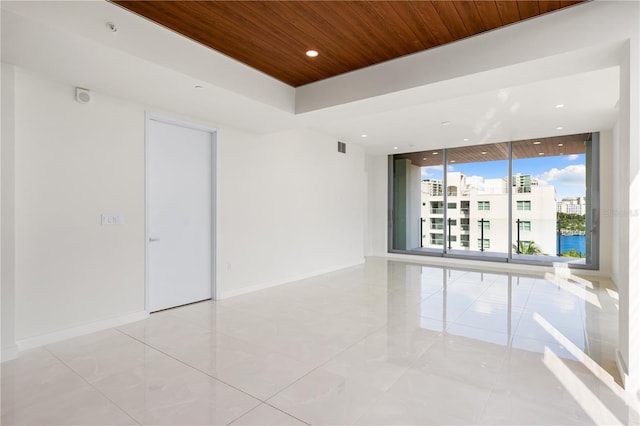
point(437, 226)
point(437, 211)
point(465, 211)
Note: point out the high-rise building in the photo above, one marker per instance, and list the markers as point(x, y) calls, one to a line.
point(475, 216)
point(573, 205)
point(522, 183)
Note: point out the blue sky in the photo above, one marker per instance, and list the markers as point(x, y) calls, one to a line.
point(566, 172)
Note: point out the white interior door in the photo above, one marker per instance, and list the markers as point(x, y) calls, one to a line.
point(179, 194)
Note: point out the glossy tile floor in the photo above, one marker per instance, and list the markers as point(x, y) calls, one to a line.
point(384, 343)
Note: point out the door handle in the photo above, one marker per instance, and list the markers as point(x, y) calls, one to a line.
point(153, 240)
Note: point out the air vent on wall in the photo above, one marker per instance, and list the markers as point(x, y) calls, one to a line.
point(342, 147)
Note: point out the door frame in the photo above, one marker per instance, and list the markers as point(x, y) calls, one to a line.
point(150, 116)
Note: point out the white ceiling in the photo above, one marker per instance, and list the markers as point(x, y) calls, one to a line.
point(69, 42)
point(514, 113)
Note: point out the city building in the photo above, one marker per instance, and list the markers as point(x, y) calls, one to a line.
point(572, 205)
point(476, 217)
point(523, 183)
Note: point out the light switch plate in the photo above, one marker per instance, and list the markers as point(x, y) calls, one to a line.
point(112, 219)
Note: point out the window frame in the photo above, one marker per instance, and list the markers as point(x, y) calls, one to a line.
point(523, 203)
point(486, 206)
point(593, 240)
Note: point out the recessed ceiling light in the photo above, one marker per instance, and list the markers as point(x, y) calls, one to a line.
point(483, 152)
point(395, 147)
point(541, 153)
point(562, 153)
point(560, 106)
point(559, 128)
point(311, 53)
point(445, 123)
point(452, 161)
point(560, 144)
point(364, 136)
point(423, 159)
point(434, 153)
point(466, 139)
point(537, 143)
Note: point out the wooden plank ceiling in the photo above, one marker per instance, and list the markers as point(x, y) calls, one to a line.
point(273, 36)
point(534, 148)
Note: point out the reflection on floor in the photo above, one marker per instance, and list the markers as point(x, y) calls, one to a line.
point(384, 343)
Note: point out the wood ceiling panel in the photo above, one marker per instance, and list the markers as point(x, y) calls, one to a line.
point(478, 153)
point(548, 6)
point(508, 10)
point(449, 14)
point(272, 36)
point(549, 147)
point(528, 9)
point(432, 20)
point(489, 14)
point(470, 17)
point(414, 18)
point(383, 34)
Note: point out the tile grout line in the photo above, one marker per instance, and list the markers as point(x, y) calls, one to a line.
point(269, 405)
point(214, 378)
point(91, 385)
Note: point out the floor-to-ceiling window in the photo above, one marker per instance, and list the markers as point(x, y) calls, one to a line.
point(526, 201)
point(553, 172)
point(477, 177)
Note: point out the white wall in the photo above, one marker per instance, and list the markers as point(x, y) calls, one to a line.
point(73, 162)
point(608, 184)
point(9, 348)
point(290, 206)
point(378, 209)
point(626, 203)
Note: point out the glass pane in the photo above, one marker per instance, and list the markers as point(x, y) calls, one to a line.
point(477, 184)
point(550, 204)
point(433, 207)
point(418, 198)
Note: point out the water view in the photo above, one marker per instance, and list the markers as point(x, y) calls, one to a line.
point(575, 242)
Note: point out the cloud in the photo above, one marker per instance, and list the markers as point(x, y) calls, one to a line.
point(572, 157)
point(429, 172)
point(574, 175)
point(434, 172)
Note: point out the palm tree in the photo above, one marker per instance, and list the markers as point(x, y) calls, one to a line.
point(528, 247)
point(572, 253)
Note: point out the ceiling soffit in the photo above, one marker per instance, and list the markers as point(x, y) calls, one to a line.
point(273, 36)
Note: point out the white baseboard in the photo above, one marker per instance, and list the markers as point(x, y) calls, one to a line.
point(275, 283)
point(622, 368)
point(68, 333)
point(614, 279)
point(9, 353)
